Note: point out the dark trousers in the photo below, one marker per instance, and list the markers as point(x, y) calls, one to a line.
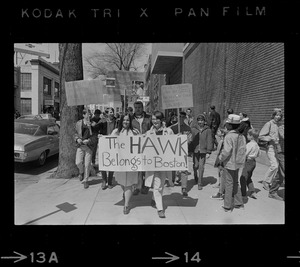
point(245, 179)
point(110, 177)
point(213, 134)
point(94, 150)
point(279, 178)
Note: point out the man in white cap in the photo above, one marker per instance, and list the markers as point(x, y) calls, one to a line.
point(232, 158)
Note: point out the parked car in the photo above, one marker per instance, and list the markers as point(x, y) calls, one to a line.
point(47, 116)
point(35, 140)
point(42, 116)
point(30, 117)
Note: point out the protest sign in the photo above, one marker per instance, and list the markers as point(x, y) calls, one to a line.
point(177, 96)
point(143, 153)
point(87, 92)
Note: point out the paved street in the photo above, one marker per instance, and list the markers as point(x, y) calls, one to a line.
point(27, 174)
point(51, 201)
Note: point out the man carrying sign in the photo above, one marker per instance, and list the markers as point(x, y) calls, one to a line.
point(141, 122)
point(184, 129)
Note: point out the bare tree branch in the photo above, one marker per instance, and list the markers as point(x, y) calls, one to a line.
point(116, 56)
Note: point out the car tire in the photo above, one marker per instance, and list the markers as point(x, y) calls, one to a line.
point(42, 159)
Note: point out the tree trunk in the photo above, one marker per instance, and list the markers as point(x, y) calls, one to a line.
point(71, 69)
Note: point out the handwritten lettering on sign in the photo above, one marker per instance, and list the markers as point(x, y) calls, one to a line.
point(143, 153)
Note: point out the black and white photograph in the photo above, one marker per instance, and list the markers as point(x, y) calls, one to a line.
point(227, 99)
point(157, 134)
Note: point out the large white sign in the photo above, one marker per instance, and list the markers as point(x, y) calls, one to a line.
point(143, 153)
point(177, 96)
point(87, 92)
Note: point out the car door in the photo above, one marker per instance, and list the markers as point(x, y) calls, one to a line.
point(53, 136)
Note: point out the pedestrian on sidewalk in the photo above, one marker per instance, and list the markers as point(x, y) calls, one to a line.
point(214, 122)
point(184, 129)
point(221, 185)
point(201, 144)
point(233, 157)
point(85, 142)
point(228, 112)
point(106, 128)
point(142, 122)
point(156, 179)
point(280, 176)
point(252, 152)
point(269, 133)
point(126, 179)
point(245, 125)
point(189, 117)
point(95, 123)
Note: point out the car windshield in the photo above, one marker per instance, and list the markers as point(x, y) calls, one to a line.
point(26, 128)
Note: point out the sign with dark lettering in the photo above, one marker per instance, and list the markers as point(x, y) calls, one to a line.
point(143, 153)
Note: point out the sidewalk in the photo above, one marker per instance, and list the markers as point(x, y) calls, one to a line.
point(66, 202)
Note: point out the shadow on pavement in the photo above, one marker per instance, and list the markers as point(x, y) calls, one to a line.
point(209, 180)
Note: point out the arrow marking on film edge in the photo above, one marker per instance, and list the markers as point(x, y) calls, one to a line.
point(19, 258)
point(293, 257)
point(172, 258)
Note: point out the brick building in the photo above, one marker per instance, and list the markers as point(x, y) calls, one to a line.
point(247, 77)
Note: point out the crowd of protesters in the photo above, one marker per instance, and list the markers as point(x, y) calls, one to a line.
point(234, 140)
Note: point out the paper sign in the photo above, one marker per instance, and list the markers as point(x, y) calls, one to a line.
point(177, 96)
point(143, 153)
point(87, 92)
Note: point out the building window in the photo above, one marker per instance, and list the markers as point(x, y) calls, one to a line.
point(25, 82)
point(25, 106)
point(56, 89)
point(47, 86)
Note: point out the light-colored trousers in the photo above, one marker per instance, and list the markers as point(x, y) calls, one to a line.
point(83, 160)
point(158, 188)
point(272, 171)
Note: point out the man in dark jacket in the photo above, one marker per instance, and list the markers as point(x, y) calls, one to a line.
point(184, 129)
point(142, 122)
point(106, 128)
point(214, 122)
point(202, 146)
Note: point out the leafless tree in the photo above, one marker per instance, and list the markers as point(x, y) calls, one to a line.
point(116, 56)
point(71, 69)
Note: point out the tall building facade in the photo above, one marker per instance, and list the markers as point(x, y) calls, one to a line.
point(39, 87)
point(247, 77)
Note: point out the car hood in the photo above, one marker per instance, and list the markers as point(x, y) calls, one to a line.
point(22, 139)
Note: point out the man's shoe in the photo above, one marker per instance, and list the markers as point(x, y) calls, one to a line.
point(126, 210)
point(80, 177)
point(266, 186)
point(161, 214)
point(136, 192)
point(253, 195)
point(103, 186)
point(226, 209)
point(241, 207)
point(184, 192)
point(275, 196)
point(85, 185)
point(200, 187)
point(110, 186)
point(145, 190)
point(218, 196)
point(153, 204)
